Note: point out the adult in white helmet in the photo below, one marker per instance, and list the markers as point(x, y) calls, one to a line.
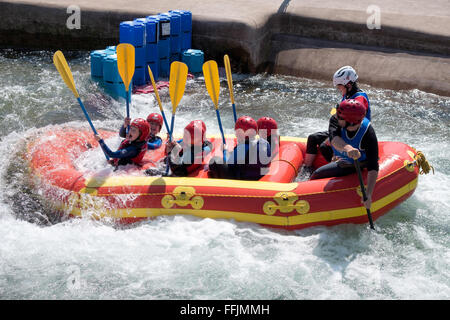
point(344, 75)
point(345, 80)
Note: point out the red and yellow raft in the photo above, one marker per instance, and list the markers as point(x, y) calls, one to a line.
point(275, 201)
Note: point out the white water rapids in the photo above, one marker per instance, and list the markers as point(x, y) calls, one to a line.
point(182, 257)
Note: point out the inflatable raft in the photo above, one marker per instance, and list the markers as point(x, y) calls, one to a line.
point(128, 195)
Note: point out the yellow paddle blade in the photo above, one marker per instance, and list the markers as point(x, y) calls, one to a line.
point(125, 63)
point(226, 61)
point(63, 68)
point(211, 74)
point(177, 82)
point(155, 89)
point(332, 111)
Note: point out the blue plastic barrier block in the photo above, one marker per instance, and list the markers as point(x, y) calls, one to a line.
point(117, 90)
point(139, 76)
point(110, 50)
point(164, 36)
point(175, 33)
point(175, 22)
point(139, 31)
point(126, 32)
point(164, 67)
point(142, 21)
point(175, 57)
point(151, 52)
point(155, 71)
point(97, 63)
point(186, 40)
point(194, 60)
point(186, 29)
point(110, 71)
point(164, 25)
point(152, 28)
point(152, 48)
point(153, 34)
point(186, 20)
point(132, 32)
point(164, 48)
point(175, 45)
point(140, 56)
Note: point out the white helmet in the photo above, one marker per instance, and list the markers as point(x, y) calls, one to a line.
point(344, 75)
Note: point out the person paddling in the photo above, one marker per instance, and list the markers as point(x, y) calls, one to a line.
point(249, 160)
point(354, 140)
point(155, 121)
point(345, 80)
point(268, 130)
point(133, 148)
point(187, 155)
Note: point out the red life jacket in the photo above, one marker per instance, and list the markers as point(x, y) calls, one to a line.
point(136, 160)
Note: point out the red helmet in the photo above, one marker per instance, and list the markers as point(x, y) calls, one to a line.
point(196, 127)
point(267, 124)
point(143, 127)
point(245, 123)
point(351, 111)
point(156, 118)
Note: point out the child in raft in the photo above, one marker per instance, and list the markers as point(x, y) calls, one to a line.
point(249, 160)
point(268, 130)
point(133, 148)
point(187, 155)
point(155, 121)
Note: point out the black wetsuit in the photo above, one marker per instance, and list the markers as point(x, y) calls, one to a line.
point(369, 144)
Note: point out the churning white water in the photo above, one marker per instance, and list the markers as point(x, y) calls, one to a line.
point(182, 257)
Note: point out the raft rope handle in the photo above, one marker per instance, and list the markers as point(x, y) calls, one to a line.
point(422, 163)
point(292, 166)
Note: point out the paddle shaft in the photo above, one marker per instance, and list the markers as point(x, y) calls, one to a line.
point(63, 68)
point(171, 127)
point(226, 60)
point(234, 113)
point(128, 109)
point(170, 139)
point(363, 190)
point(165, 120)
point(177, 85)
point(211, 74)
point(155, 90)
point(86, 115)
point(221, 131)
point(89, 120)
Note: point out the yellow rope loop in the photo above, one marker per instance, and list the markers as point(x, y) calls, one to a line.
point(422, 163)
